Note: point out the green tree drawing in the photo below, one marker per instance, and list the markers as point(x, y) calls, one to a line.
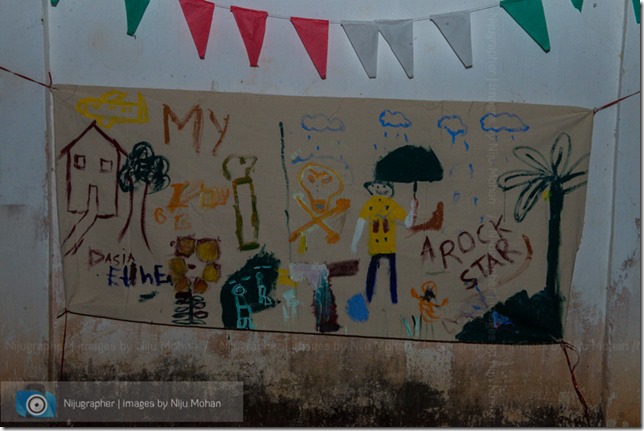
point(143, 166)
point(538, 318)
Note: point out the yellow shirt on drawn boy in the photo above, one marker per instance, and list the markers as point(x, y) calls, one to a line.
point(381, 214)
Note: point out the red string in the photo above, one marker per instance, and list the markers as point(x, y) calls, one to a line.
point(614, 102)
point(62, 356)
point(49, 86)
point(565, 346)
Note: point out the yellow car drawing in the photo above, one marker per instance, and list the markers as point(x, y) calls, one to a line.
point(112, 108)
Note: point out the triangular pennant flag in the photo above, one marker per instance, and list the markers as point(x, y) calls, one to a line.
point(530, 16)
point(54, 3)
point(578, 4)
point(637, 7)
point(314, 34)
point(399, 34)
point(456, 29)
point(252, 26)
point(198, 15)
point(134, 10)
point(364, 39)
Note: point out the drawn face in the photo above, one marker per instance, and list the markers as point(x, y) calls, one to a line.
point(320, 184)
point(381, 189)
point(239, 290)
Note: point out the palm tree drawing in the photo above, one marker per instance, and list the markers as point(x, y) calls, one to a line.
point(557, 178)
point(551, 179)
point(143, 166)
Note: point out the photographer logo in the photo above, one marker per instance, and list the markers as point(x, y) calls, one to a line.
point(35, 403)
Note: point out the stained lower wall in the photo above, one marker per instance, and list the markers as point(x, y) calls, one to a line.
point(292, 379)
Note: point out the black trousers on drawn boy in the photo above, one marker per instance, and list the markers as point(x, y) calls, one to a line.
point(371, 275)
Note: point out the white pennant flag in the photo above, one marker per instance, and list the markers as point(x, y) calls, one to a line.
point(456, 29)
point(363, 36)
point(399, 34)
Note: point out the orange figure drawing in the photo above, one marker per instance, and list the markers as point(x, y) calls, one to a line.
point(426, 304)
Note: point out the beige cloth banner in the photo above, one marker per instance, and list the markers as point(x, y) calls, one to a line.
point(368, 217)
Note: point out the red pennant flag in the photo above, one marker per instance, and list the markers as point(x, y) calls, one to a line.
point(252, 26)
point(314, 34)
point(199, 14)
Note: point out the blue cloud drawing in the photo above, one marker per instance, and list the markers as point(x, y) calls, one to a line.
point(453, 124)
point(503, 122)
point(322, 123)
point(393, 119)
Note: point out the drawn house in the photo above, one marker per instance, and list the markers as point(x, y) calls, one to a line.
point(92, 160)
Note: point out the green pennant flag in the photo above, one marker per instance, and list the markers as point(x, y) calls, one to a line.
point(530, 16)
point(578, 4)
point(134, 10)
point(637, 7)
point(54, 3)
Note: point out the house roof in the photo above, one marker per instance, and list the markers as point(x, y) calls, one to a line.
point(105, 136)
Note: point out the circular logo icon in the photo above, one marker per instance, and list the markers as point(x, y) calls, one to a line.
point(36, 405)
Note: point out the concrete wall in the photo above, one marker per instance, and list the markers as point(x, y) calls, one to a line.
point(308, 379)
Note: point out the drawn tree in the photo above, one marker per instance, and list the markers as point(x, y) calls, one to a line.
point(556, 177)
point(143, 166)
point(537, 318)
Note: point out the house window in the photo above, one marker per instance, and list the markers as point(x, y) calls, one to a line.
point(79, 161)
point(106, 165)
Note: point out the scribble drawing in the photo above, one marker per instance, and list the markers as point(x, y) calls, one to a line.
point(142, 166)
point(536, 318)
point(237, 169)
point(381, 214)
point(112, 108)
point(184, 193)
point(427, 301)
point(324, 306)
point(289, 308)
point(321, 185)
point(91, 181)
point(435, 222)
point(249, 291)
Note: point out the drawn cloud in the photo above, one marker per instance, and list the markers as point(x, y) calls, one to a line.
point(503, 121)
point(393, 119)
point(453, 124)
point(322, 123)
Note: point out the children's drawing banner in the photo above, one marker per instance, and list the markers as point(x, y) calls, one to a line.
point(453, 221)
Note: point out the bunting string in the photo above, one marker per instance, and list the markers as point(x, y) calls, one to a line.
point(336, 22)
point(363, 35)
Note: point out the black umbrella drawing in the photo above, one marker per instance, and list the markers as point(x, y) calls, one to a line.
point(409, 164)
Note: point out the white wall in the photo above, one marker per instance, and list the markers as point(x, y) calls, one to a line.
point(24, 219)
point(594, 60)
